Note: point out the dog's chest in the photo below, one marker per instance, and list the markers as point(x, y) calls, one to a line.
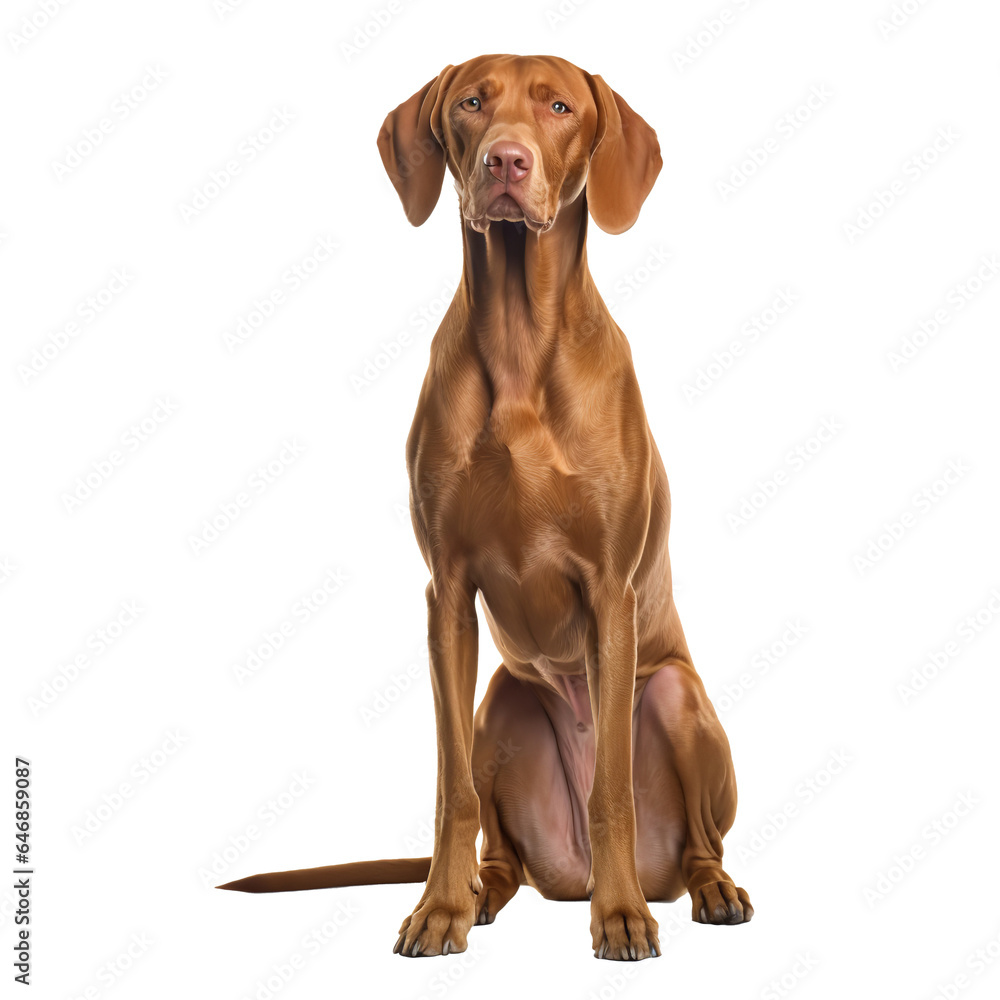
point(528, 523)
point(522, 485)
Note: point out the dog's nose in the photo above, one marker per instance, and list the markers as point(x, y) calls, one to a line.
point(508, 161)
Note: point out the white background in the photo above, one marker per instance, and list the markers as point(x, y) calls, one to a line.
point(142, 871)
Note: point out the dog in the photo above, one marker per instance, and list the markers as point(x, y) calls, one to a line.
point(595, 766)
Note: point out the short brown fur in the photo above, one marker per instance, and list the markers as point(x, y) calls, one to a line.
point(595, 765)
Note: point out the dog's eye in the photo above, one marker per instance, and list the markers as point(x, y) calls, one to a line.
point(559, 108)
point(472, 104)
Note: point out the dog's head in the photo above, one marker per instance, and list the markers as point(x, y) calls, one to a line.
point(523, 136)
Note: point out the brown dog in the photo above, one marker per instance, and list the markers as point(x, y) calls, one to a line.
point(595, 765)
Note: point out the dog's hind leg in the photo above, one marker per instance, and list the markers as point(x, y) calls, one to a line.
point(492, 748)
point(685, 796)
point(531, 833)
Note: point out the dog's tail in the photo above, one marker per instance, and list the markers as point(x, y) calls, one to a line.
point(387, 872)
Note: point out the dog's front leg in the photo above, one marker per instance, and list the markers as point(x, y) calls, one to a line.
point(621, 924)
point(441, 921)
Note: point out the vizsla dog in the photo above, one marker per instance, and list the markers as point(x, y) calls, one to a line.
point(595, 766)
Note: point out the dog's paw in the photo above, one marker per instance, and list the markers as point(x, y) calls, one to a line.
point(720, 902)
point(435, 929)
point(621, 928)
point(440, 923)
point(499, 886)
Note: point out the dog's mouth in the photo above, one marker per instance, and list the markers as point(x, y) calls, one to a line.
point(505, 208)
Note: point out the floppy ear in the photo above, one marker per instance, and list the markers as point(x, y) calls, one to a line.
point(624, 163)
point(412, 150)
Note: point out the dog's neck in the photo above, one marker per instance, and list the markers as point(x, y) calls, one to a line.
point(521, 290)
